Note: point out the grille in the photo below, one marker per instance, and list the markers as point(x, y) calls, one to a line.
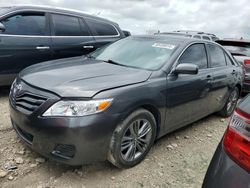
point(28, 102)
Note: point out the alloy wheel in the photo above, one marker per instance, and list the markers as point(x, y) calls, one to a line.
point(136, 139)
point(232, 101)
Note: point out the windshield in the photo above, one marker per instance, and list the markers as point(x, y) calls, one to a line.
point(143, 53)
point(240, 50)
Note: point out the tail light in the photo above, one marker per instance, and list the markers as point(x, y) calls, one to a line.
point(247, 61)
point(237, 139)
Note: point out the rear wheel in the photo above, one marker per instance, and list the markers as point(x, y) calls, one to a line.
point(230, 104)
point(132, 139)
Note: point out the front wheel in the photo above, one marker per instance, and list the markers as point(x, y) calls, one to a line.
point(231, 103)
point(132, 139)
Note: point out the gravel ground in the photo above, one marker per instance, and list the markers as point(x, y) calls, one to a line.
point(179, 159)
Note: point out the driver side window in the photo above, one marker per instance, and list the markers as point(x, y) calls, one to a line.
point(25, 24)
point(195, 54)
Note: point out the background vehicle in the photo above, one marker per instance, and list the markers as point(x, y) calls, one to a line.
point(111, 105)
point(32, 34)
point(240, 49)
point(230, 165)
point(126, 33)
point(192, 34)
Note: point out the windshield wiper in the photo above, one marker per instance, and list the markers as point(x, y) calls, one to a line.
point(113, 62)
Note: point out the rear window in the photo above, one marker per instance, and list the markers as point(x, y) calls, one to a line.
point(101, 28)
point(239, 50)
point(69, 26)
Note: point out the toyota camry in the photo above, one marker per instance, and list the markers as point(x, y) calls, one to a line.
point(114, 103)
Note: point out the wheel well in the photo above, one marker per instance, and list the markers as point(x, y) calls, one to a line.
point(156, 115)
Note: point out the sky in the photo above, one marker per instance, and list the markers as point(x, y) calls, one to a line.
point(225, 18)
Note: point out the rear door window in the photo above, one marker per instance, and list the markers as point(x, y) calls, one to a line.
point(217, 56)
point(25, 24)
point(205, 38)
point(228, 60)
point(197, 37)
point(100, 28)
point(68, 26)
point(195, 54)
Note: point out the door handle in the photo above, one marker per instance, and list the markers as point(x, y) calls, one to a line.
point(42, 47)
point(233, 72)
point(88, 47)
point(209, 78)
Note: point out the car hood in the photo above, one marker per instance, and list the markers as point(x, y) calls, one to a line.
point(81, 77)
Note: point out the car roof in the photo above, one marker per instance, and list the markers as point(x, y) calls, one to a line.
point(195, 32)
point(212, 37)
point(173, 33)
point(180, 40)
point(54, 10)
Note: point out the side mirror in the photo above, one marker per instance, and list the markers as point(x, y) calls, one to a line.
point(2, 27)
point(126, 33)
point(186, 68)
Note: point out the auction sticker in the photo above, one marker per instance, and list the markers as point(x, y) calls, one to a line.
point(162, 45)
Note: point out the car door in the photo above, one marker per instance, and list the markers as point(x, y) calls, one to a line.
point(104, 32)
point(222, 76)
point(70, 36)
point(188, 96)
point(24, 42)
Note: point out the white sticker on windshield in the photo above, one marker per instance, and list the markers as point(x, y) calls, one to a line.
point(162, 45)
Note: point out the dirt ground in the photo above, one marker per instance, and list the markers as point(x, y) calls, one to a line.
point(179, 159)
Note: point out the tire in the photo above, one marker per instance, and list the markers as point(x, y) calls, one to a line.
point(128, 146)
point(232, 102)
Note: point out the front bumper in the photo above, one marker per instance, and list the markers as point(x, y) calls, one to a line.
point(81, 140)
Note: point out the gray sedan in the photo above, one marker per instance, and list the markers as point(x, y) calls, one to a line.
point(114, 103)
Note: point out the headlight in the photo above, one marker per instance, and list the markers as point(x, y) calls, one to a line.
point(78, 108)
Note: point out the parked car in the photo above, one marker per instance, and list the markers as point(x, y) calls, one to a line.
point(192, 34)
point(240, 49)
point(116, 102)
point(32, 34)
point(230, 165)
